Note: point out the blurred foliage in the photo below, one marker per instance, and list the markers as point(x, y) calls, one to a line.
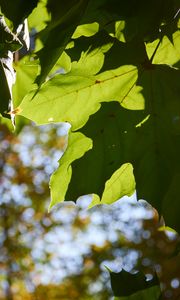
point(160, 251)
point(20, 189)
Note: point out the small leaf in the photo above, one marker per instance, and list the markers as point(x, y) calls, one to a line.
point(86, 30)
point(121, 183)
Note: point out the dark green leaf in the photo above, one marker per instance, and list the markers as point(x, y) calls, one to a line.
point(17, 10)
point(4, 91)
point(142, 19)
point(125, 285)
point(8, 44)
point(7, 79)
point(8, 40)
point(148, 139)
point(171, 204)
point(58, 34)
point(106, 128)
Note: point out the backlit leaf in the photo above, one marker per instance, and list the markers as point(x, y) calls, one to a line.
point(148, 139)
point(73, 97)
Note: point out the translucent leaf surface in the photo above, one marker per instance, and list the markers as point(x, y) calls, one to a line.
point(39, 18)
point(26, 72)
point(75, 96)
point(78, 145)
point(168, 52)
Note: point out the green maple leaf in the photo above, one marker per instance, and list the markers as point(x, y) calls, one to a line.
point(73, 97)
point(148, 139)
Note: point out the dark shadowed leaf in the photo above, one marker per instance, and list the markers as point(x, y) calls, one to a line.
point(17, 10)
point(8, 44)
point(149, 139)
point(127, 286)
point(142, 19)
point(171, 204)
point(8, 40)
point(65, 18)
point(4, 91)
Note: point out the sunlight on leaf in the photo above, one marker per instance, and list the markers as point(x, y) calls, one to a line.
point(78, 144)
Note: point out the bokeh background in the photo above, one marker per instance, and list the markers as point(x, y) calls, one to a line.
point(63, 254)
